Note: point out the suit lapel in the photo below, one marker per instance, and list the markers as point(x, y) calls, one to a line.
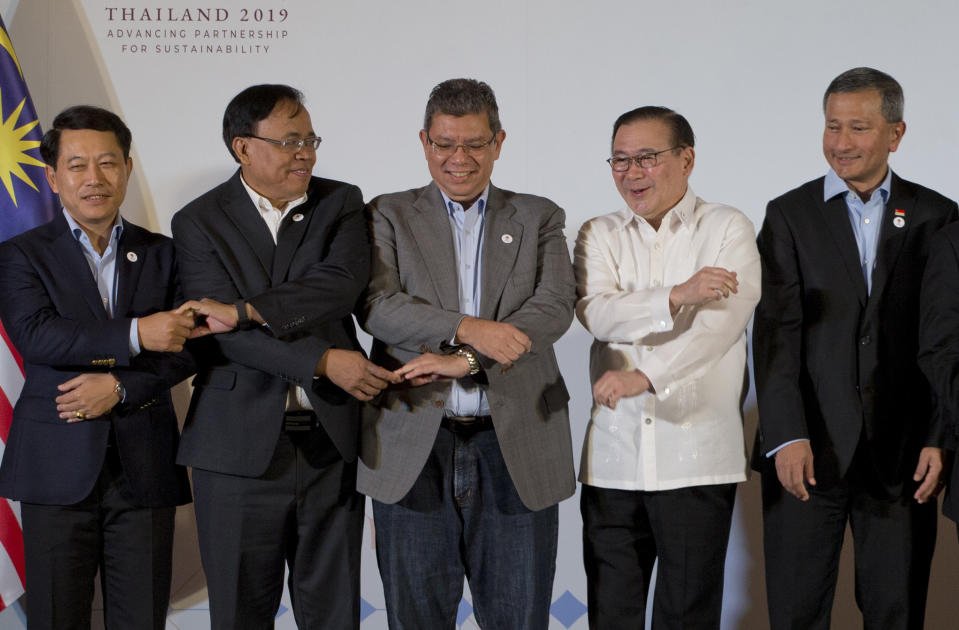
point(130, 258)
point(835, 217)
point(501, 241)
point(430, 227)
point(75, 269)
point(239, 208)
point(291, 233)
point(892, 237)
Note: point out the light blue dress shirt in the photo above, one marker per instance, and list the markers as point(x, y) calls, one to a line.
point(105, 271)
point(865, 217)
point(467, 225)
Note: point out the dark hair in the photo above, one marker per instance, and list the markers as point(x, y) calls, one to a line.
point(83, 117)
point(681, 132)
point(459, 97)
point(252, 105)
point(860, 79)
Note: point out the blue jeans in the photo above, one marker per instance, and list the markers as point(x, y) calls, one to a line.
point(463, 517)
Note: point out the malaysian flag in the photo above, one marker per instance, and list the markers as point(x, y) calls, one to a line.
point(26, 201)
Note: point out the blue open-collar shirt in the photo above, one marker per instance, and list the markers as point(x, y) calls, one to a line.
point(105, 271)
point(467, 225)
point(865, 217)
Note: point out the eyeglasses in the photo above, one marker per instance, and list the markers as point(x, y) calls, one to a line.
point(446, 149)
point(293, 145)
point(646, 160)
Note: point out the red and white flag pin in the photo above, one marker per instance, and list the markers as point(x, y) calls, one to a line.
point(899, 219)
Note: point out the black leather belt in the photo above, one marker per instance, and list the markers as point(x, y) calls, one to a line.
point(300, 420)
point(467, 426)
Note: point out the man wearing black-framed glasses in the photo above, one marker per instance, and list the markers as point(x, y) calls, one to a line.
point(666, 286)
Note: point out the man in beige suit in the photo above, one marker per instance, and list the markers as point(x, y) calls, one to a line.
point(471, 285)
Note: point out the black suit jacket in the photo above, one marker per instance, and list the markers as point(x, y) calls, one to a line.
point(833, 363)
point(52, 311)
point(939, 340)
point(305, 287)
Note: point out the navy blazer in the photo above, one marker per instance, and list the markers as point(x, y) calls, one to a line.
point(305, 286)
point(53, 313)
point(833, 363)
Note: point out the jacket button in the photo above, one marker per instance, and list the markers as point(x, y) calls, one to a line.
point(438, 403)
point(864, 340)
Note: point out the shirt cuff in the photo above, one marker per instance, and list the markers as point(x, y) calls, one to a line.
point(660, 312)
point(456, 328)
point(784, 445)
point(134, 336)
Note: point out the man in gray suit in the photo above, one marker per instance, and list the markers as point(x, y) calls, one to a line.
point(466, 461)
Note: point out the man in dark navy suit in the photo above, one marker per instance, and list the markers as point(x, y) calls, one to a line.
point(85, 300)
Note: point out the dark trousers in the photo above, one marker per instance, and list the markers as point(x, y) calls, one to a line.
point(463, 517)
point(131, 546)
point(625, 531)
point(306, 516)
point(893, 544)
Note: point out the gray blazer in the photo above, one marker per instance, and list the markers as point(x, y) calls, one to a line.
point(412, 306)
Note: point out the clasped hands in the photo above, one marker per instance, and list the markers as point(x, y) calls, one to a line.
point(500, 341)
point(362, 379)
point(355, 374)
point(94, 394)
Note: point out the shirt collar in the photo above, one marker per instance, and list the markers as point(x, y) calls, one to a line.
point(480, 203)
point(682, 212)
point(834, 186)
point(262, 202)
point(81, 236)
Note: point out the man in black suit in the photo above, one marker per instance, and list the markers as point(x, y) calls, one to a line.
point(847, 429)
point(91, 450)
point(275, 259)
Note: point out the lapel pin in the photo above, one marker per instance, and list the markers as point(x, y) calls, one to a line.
point(131, 256)
point(507, 238)
point(900, 219)
point(297, 217)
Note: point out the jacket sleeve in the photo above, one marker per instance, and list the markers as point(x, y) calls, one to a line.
point(328, 291)
point(546, 315)
point(38, 330)
point(387, 311)
point(777, 335)
point(204, 274)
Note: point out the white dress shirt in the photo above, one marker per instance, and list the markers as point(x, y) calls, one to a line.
point(690, 431)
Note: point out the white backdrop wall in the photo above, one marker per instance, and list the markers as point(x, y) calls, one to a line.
point(748, 75)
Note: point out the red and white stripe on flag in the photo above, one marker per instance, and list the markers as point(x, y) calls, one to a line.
point(11, 534)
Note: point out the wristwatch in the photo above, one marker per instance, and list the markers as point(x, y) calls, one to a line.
point(120, 390)
point(467, 353)
point(242, 321)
